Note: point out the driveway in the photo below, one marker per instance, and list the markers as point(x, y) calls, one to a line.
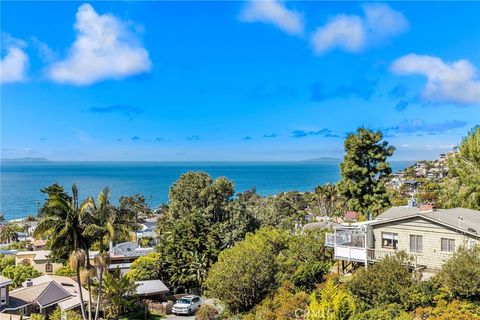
point(174, 317)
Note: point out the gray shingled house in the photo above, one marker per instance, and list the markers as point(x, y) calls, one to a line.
point(429, 236)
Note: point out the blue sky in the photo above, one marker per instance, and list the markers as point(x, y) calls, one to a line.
point(235, 80)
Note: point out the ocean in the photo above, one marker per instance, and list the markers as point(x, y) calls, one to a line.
point(21, 181)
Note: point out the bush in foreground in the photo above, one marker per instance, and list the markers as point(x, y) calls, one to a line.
point(206, 312)
point(389, 281)
point(461, 273)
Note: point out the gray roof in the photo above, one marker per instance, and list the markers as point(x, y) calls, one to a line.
point(151, 287)
point(44, 295)
point(464, 220)
point(4, 281)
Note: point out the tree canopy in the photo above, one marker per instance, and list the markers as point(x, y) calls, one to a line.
point(364, 171)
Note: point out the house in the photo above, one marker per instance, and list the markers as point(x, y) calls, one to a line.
point(429, 236)
point(39, 260)
point(43, 294)
point(4, 286)
point(39, 244)
point(122, 255)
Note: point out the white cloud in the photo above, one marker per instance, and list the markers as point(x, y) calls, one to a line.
point(105, 48)
point(354, 33)
point(273, 12)
point(447, 82)
point(13, 66)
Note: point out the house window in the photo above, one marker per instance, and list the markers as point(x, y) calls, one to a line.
point(26, 262)
point(416, 243)
point(389, 240)
point(448, 245)
point(48, 267)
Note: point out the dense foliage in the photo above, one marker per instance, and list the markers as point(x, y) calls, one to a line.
point(202, 219)
point(386, 282)
point(364, 171)
point(331, 302)
point(19, 274)
point(147, 267)
point(285, 303)
point(245, 274)
point(461, 273)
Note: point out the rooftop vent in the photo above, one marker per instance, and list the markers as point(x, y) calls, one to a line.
point(29, 283)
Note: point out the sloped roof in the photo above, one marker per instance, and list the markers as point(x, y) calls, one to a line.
point(4, 281)
point(151, 287)
point(464, 220)
point(66, 283)
point(44, 295)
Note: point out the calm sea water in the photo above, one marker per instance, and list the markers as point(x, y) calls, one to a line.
point(20, 182)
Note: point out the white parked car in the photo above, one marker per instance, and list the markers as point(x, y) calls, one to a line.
point(187, 305)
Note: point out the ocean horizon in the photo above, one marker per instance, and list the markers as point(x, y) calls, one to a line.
point(21, 181)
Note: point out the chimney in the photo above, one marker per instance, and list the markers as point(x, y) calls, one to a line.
point(412, 203)
point(426, 208)
point(28, 283)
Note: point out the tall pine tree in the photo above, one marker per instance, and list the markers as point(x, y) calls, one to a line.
point(364, 170)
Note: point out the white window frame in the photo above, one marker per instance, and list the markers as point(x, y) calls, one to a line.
point(416, 248)
point(449, 248)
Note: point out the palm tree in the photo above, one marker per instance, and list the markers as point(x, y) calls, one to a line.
point(63, 225)
point(120, 293)
point(8, 233)
point(106, 224)
point(77, 262)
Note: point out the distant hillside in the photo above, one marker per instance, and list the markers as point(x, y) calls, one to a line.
point(24, 159)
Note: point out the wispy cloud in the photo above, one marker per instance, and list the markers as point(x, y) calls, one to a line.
point(327, 133)
point(420, 127)
point(273, 12)
point(193, 138)
point(353, 33)
point(122, 109)
point(270, 135)
point(362, 88)
point(135, 138)
point(46, 54)
point(247, 138)
point(454, 82)
point(105, 48)
point(13, 67)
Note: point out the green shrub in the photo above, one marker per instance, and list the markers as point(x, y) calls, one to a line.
point(70, 315)
point(331, 302)
point(309, 274)
point(461, 273)
point(6, 261)
point(147, 267)
point(389, 281)
point(65, 271)
point(455, 310)
point(20, 273)
point(36, 316)
point(285, 303)
point(390, 312)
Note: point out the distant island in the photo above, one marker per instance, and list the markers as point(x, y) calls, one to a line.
point(25, 159)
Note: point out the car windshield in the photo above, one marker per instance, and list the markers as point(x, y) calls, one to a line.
point(185, 301)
